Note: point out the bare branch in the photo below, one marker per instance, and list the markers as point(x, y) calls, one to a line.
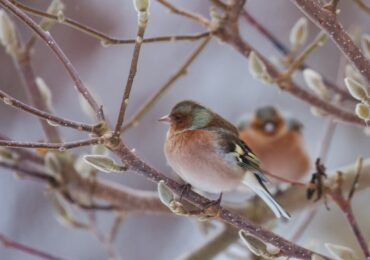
point(34, 96)
point(52, 146)
point(9, 100)
point(106, 39)
point(131, 76)
point(213, 246)
point(153, 100)
point(49, 40)
point(363, 6)
point(336, 194)
point(26, 249)
point(197, 18)
point(359, 164)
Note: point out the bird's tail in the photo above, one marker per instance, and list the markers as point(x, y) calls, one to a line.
point(254, 182)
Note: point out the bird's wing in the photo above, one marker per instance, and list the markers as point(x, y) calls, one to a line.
point(233, 147)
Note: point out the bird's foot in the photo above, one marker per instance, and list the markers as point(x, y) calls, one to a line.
point(185, 188)
point(213, 208)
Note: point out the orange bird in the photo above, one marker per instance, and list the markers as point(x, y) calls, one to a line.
point(277, 142)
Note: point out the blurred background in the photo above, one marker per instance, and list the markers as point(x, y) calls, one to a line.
point(219, 78)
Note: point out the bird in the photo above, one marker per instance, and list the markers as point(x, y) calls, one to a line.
point(205, 150)
point(278, 143)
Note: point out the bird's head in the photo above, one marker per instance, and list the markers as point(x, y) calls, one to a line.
point(188, 115)
point(267, 121)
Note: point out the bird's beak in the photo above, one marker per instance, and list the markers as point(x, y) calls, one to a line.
point(165, 119)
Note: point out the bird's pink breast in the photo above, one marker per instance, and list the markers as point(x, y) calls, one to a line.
point(193, 157)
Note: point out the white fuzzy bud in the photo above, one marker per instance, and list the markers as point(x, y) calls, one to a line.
point(141, 5)
point(365, 44)
point(56, 7)
point(104, 163)
point(258, 69)
point(351, 72)
point(165, 194)
point(356, 89)
point(8, 35)
point(257, 246)
point(341, 252)
point(315, 82)
point(299, 32)
point(363, 111)
point(318, 112)
point(45, 92)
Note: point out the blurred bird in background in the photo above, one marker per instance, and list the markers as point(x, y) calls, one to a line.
point(277, 142)
point(206, 152)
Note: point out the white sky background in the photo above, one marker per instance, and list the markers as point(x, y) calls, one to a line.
point(219, 79)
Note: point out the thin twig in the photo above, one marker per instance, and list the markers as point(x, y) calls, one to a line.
point(104, 38)
point(116, 226)
point(52, 146)
point(29, 172)
point(197, 18)
point(336, 194)
point(131, 76)
point(325, 20)
point(6, 242)
point(109, 248)
point(25, 154)
point(363, 6)
point(359, 164)
point(9, 100)
point(213, 246)
point(27, 75)
point(133, 121)
point(50, 42)
point(307, 219)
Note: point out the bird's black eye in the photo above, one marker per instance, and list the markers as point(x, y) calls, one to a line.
point(177, 118)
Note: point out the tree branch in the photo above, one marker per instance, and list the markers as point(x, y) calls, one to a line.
point(25, 69)
point(104, 38)
point(53, 146)
point(197, 18)
point(9, 100)
point(26, 249)
point(131, 75)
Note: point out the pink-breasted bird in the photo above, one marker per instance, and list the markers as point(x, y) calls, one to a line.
point(277, 142)
point(205, 150)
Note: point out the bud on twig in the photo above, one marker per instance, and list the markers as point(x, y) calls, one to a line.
point(356, 89)
point(363, 111)
point(104, 163)
point(258, 247)
point(56, 7)
point(351, 72)
point(8, 35)
point(142, 7)
point(298, 33)
point(258, 68)
point(45, 92)
point(341, 252)
point(315, 83)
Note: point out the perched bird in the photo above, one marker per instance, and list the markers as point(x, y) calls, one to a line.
point(206, 152)
point(277, 142)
